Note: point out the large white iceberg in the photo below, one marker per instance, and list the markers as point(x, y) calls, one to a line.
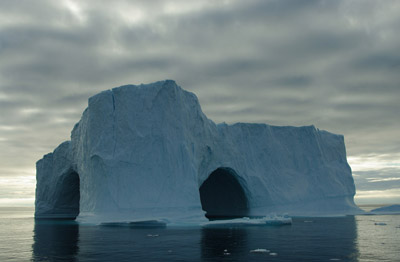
point(148, 152)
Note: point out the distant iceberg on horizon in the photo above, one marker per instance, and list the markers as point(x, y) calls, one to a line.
point(390, 209)
point(148, 152)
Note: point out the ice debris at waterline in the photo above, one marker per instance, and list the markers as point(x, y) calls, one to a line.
point(260, 250)
point(271, 220)
point(148, 152)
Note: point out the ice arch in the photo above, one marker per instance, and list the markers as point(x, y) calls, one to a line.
point(222, 195)
point(67, 197)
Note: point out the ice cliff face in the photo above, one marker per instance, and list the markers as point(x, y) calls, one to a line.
point(148, 151)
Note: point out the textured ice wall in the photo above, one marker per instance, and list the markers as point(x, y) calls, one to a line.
point(57, 188)
point(144, 151)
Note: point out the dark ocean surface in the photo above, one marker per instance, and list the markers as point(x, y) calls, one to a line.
point(350, 238)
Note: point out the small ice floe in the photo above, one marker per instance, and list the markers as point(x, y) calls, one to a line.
point(259, 250)
point(380, 224)
point(308, 221)
point(150, 235)
point(270, 220)
point(277, 220)
point(334, 259)
point(226, 253)
point(273, 254)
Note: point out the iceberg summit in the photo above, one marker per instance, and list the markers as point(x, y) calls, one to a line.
point(148, 153)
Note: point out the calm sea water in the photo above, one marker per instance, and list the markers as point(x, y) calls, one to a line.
point(307, 239)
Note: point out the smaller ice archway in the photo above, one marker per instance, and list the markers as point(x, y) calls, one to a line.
point(68, 196)
point(223, 196)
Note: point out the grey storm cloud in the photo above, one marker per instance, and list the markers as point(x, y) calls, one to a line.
point(333, 64)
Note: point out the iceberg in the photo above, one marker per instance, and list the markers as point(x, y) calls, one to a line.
point(389, 210)
point(148, 153)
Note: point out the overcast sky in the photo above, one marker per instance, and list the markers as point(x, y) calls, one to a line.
point(333, 64)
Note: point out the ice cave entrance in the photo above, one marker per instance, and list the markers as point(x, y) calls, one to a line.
point(69, 196)
point(222, 196)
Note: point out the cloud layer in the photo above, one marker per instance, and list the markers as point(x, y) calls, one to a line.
point(333, 64)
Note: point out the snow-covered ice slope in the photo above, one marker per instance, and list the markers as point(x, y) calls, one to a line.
point(143, 152)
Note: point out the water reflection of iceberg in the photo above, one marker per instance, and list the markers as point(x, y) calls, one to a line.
point(318, 239)
point(225, 243)
point(55, 240)
point(137, 224)
point(307, 239)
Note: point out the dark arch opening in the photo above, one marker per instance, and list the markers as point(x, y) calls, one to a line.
point(222, 196)
point(68, 196)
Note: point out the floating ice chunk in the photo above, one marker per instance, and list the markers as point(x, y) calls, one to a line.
point(273, 254)
point(277, 220)
point(226, 253)
point(150, 235)
point(259, 250)
point(271, 220)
